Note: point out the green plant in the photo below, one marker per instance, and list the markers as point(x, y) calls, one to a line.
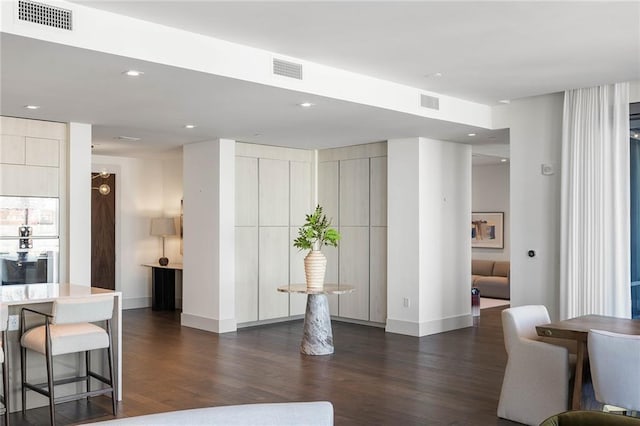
point(316, 232)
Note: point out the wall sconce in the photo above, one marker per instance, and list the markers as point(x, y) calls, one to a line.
point(163, 227)
point(103, 189)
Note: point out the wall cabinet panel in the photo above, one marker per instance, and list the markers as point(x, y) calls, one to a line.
point(301, 195)
point(273, 272)
point(273, 192)
point(42, 152)
point(246, 274)
point(28, 181)
point(379, 191)
point(378, 274)
point(354, 271)
point(12, 149)
point(354, 192)
point(297, 302)
point(246, 191)
point(328, 189)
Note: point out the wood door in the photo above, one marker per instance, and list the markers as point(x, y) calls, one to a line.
point(103, 232)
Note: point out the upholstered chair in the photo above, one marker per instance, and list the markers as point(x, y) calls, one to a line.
point(4, 319)
point(615, 368)
point(536, 379)
point(71, 327)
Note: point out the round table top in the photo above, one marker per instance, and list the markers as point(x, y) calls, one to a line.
point(326, 289)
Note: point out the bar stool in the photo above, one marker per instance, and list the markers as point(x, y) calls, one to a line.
point(70, 329)
point(4, 319)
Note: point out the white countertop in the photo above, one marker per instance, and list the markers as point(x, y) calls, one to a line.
point(20, 294)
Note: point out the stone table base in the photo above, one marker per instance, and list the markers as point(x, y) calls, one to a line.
point(317, 338)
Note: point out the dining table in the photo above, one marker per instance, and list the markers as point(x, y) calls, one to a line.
point(577, 329)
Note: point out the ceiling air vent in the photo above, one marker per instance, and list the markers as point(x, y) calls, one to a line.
point(44, 14)
point(287, 69)
point(430, 102)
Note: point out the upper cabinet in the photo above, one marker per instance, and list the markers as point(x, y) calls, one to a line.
point(30, 157)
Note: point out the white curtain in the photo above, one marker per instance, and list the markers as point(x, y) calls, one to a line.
point(595, 233)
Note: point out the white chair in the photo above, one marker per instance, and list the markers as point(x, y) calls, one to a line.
point(615, 368)
point(70, 329)
point(536, 380)
point(4, 319)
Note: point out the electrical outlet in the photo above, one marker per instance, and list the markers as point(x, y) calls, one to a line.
point(405, 302)
point(14, 322)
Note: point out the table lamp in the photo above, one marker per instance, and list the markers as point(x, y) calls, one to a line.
point(163, 227)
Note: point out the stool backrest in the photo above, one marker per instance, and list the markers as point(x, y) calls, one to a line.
point(82, 309)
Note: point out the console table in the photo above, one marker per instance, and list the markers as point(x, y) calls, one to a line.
point(163, 287)
point(317, 338)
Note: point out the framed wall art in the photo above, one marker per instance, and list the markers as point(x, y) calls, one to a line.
point(487, 230)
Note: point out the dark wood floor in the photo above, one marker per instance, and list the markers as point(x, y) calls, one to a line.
point(374, 378)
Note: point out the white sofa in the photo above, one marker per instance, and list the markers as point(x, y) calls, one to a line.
point(318, 413)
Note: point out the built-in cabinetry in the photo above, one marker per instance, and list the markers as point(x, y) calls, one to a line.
point(30, 157)
point(352, 186)
point(274, 191)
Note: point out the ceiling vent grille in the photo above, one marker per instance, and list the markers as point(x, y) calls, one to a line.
point(430, 102)
point(44, 14)
point(287, 69)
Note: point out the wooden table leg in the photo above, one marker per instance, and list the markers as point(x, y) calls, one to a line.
point(577, 380)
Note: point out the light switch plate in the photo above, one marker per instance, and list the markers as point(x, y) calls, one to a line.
point(14, 322)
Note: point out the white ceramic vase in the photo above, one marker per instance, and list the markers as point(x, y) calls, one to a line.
point(315, 265)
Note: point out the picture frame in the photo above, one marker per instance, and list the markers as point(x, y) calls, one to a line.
point(487, 230)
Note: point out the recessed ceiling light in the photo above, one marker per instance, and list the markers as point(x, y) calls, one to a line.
point(190, 126)
point(434, 75)
point(133, 73)
point(504, 101)
point(306, 105)
point(503, 160)
point(471, 134)
point(636, 135)
point(128, 138)
point(32, 106)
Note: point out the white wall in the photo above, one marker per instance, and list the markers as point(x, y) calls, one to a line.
point(139, 197)
point(535, 137)
point(429, 249)
point(490, 193)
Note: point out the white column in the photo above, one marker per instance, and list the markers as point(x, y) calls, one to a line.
point(429, 245)
point(79, 204)
point(209, 242)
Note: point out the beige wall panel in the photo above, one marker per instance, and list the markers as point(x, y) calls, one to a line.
point(301, 192)
point(33, 128)
point(379, 191)
point(354, 192)
point(42, 152)
point(273, 192)
point(246, 247)
point(246, 191)
point(378, 149)
point(328, 189)
point(273, 272)
point(28, 181)
point(354, 271)
point(12, 149)
point(378, 274)
point(273, 152)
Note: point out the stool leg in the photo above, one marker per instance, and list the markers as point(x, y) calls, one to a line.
point(111, 374)
point(87, 359)
point(52, 399)
point(23, 373)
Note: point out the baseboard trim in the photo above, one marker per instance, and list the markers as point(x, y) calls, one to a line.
point(270, 321)
point(208, 324)
point(426, 328)
point(136, 303)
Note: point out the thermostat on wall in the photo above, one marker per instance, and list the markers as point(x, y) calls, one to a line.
point(547, 169)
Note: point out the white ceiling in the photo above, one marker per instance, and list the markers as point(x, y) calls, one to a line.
point(487, 51)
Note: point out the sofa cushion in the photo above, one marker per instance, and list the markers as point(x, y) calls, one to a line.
point(496, 287)
point(501, 268)
point(482, 267)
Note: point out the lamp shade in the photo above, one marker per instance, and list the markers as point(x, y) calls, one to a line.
point(163, 226)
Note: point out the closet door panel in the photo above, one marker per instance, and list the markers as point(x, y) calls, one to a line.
point(328, 189)
point(297, 302)
point(273, 272)
point(378, 274)
point(354, 192)
point(379, 191)
point(246, 191)
point(246, 274)
point(273, 192)
point(354, 271)
point(301, 192)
